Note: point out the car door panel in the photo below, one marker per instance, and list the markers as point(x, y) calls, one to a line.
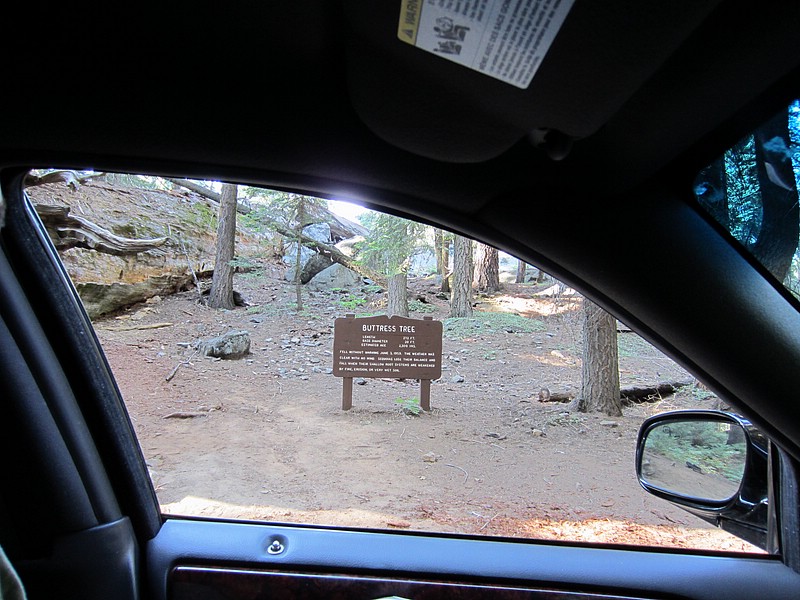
point(235, 548)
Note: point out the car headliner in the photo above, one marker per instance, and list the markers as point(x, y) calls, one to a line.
point(322, 97)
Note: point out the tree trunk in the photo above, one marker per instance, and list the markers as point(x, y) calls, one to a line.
point(600, 372)
point(442, 258)
point(521, 268)
point(221, 294)
point(299, 255)
point(487, 269)
point(712, 193)
point(398, 295)
point(461, 296)
point(780, 223)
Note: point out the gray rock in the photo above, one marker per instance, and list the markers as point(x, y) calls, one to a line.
point(457, 379)
point(335, 276)
point(360, 381)
point(232, 345)
point(316, 264)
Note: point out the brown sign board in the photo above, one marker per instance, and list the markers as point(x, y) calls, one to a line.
point(395, 347)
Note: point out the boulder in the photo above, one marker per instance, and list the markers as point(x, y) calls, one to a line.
point(335, 276)
point(232, 345)
point(315, 264)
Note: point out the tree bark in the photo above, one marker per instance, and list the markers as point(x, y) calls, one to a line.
point(487, 269)
point(461, 296)
point(221, 294)
point(600, 371)
point(780, 222)
point(521, 268)
point(398, 295)
point(299, 254)
point(442, 258)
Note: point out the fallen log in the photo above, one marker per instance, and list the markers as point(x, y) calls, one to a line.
point(205, 192)
point(638, 395)
point(69, 231)
point(332, 252)
point(628, 396)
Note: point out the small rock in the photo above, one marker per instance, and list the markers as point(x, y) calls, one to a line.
point(457, 379)
point(430, 457)
point(360, 381)
point(313, 360)
point(295, 340)
point(496, 436)
point(537, 433)
point(232, 345)
point(609, 424)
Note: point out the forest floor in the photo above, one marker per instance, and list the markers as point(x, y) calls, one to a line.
point(264, 437)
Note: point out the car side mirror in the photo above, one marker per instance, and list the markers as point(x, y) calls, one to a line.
point(711, 463)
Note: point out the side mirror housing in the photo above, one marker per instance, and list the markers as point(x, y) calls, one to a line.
point(712, 464)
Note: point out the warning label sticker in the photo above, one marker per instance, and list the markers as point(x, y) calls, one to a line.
point(505, 39)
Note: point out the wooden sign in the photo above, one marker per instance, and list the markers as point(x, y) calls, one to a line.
point(395, 347)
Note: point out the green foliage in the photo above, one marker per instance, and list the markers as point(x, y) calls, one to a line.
point(420, 307)
point(409, 405)
point(203, 217)
point(272, 205)
point(701, 443)
point(489, 323)
point(351, 301)
point(391, 243)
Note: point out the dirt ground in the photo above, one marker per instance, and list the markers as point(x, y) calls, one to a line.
point(265, 437)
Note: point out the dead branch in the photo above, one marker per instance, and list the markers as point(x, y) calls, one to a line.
point(69, 231)
point(185, 415)
point(466, 475)
point(138, 327)
point(179, 365)
point(71, 178)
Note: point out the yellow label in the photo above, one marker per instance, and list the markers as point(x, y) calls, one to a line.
point(407, 28)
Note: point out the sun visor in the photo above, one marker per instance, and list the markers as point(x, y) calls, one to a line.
point(464, 81)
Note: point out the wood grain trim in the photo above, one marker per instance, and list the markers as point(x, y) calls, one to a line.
point(204, 583)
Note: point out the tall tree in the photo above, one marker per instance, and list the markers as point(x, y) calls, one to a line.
point(522, 267)
point(461, 293)
point(600, 371)
point(441, 245)
point(221, 295)
point(298, 287)
point(487, 269)
point(780, 221)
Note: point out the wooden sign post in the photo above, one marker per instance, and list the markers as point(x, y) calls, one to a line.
point(395, 347)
